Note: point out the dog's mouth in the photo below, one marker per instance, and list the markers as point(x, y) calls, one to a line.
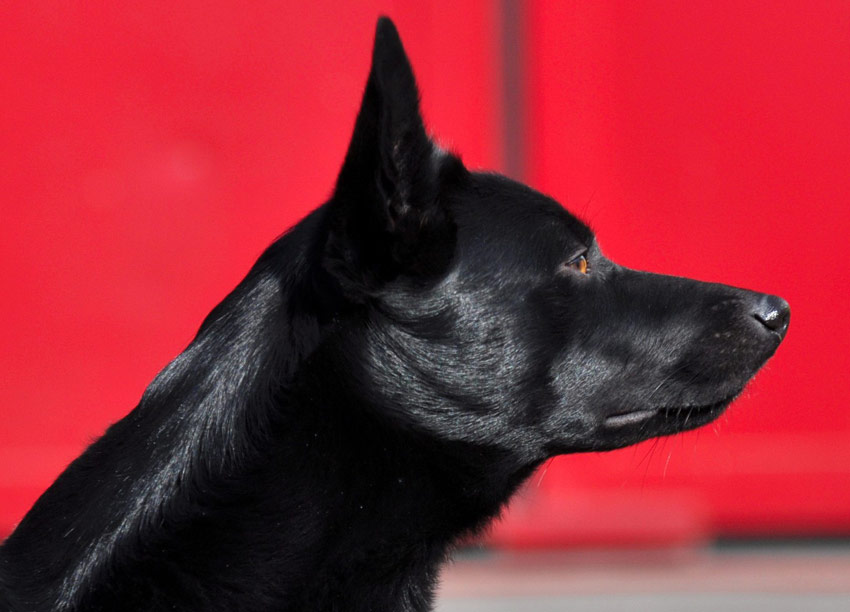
point(676, 417)
point(633, 417)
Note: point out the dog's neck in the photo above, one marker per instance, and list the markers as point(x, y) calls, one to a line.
point(245, 481)
point(296, 513)
point(395, 502)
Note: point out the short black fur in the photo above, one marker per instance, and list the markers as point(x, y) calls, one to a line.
point(381, 382)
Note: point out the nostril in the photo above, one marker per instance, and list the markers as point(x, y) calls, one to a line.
point(773, 312)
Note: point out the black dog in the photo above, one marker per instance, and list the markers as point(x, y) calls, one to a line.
point(379, 384)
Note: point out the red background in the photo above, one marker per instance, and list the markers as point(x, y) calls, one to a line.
point(149, 154)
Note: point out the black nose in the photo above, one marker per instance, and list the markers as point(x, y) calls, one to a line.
point(773, 312)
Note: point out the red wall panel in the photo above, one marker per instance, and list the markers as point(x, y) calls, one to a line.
point(706, 139)
point(149, 154)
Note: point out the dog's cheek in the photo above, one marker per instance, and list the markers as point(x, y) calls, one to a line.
point(568, 418)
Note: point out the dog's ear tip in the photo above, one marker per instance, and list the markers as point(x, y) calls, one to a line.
point(386, 33)
point(388, 53)
point(385, 26)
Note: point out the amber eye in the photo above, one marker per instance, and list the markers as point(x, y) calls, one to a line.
point(579, 264)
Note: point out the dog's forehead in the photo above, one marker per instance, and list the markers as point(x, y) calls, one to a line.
point(506, 218)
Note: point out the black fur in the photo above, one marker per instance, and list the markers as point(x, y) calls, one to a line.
point(380, 383)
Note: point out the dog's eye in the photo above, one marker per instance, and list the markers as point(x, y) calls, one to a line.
point(579, 264)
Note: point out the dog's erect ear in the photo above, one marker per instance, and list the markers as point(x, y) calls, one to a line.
point(386, 216)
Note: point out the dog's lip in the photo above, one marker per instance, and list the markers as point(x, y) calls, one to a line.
point(633, 417)
point(697, 408)
point(630, 418)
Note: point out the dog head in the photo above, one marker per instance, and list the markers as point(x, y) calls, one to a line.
point(487, 313)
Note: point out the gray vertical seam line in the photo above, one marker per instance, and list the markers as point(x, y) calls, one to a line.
point(512, 52)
